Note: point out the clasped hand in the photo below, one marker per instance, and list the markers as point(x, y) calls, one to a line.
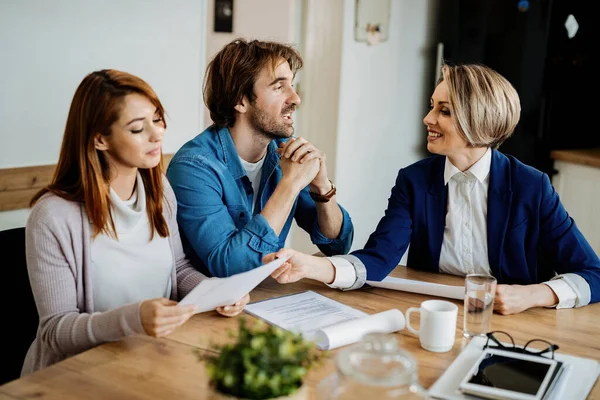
point(304, 163)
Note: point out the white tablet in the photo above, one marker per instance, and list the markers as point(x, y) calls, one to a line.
point(500, 374)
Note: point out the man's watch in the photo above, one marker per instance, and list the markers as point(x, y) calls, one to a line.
point(323, 198)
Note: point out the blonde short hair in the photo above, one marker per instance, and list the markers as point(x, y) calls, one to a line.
point(485, 105)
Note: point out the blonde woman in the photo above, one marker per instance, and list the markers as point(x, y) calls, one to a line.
point(104, 254)
point(471, 209)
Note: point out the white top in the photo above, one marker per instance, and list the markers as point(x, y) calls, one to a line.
point(254, 173)
point(464, 248)
point(132, 268)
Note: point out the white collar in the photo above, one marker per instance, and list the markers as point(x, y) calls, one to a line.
point(128, 213)
point(479, 170)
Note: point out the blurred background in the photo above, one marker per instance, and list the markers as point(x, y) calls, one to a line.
point(370, 68)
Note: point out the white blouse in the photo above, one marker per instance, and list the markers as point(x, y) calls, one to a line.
point(133, 267)
point(464, 248)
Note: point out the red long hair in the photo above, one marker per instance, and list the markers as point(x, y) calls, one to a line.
point(82, 173)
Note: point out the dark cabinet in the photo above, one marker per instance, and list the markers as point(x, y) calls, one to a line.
point(550, 68)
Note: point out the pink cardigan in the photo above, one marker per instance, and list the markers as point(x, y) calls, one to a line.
point(59, 264)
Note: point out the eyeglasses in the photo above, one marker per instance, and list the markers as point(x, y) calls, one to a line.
point(498, 337)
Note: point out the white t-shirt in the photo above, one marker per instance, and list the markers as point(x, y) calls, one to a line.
point(254, 173)
point(132, 268)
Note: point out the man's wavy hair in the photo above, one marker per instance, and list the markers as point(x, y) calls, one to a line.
point(233, 71)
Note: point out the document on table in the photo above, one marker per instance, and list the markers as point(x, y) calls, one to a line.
point(216, 292)
point(329, 323)
point(433, 289)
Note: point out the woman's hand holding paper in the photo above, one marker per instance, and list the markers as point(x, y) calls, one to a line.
point(162, 316)
point(235, 309)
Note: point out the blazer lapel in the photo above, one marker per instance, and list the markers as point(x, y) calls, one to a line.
point(437, 197)
point(498, 212)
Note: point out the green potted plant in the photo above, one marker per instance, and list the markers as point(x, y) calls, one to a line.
point(264, 362)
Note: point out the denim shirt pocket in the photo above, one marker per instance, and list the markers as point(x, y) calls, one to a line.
point(239, 215)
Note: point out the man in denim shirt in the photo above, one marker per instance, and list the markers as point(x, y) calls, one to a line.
point(240, 182)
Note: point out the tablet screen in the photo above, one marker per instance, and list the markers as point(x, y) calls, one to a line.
point(513, 374)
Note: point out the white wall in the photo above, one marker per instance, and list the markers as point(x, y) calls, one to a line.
point(47, 47)
point(383, 99)
point(318, 85)
point(256, 19)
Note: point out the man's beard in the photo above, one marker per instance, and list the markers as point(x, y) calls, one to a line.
point(264, 124)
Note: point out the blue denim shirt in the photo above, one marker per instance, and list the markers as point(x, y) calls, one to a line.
point(220, 234)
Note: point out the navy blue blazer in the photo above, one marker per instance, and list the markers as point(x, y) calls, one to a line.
point(529, 233)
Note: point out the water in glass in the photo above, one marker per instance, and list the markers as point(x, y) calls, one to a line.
point(479, 304)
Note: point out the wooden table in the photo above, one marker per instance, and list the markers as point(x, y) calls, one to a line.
point(141, 367)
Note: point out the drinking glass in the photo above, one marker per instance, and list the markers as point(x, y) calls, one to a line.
point(479, 304)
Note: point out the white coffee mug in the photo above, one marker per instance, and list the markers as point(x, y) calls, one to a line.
point(438, 325)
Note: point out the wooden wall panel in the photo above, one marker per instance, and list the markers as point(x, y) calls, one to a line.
point(18, 185)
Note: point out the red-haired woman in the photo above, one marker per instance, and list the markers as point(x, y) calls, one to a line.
point(103, 249)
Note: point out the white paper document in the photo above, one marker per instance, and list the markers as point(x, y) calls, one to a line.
point(433, 289)
point(329, 323)
point(216, 292)
point(576, 381)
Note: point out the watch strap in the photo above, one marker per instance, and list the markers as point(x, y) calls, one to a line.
point(324, 198)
